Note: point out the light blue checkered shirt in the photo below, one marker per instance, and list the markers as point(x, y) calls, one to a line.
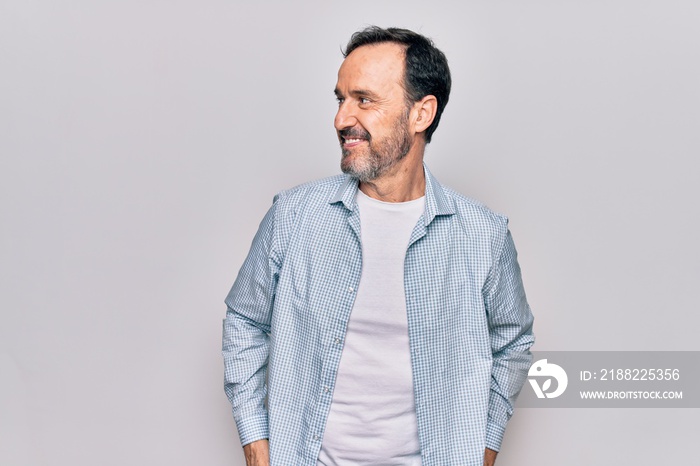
point(469, 324)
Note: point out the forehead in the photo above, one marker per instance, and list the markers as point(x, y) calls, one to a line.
point(373, 66)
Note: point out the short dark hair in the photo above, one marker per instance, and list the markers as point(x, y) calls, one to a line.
point(426, 69)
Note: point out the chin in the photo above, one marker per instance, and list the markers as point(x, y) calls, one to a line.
point(351, 162)
point(349, 167)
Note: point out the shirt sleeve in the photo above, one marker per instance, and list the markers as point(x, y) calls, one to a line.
point(246, 333)
point(510, 329)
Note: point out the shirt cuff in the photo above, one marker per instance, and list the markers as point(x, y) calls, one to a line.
point(494, 436)
point(253, 428)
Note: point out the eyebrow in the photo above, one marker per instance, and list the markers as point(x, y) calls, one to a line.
point(357, 93)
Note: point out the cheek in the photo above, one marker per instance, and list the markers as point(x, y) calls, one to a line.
point(374, 126)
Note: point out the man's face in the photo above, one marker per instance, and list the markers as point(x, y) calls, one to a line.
point(372, 118)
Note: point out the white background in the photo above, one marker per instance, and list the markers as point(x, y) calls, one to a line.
point(141, 143)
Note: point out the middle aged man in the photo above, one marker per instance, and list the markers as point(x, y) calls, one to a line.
point(379, 318)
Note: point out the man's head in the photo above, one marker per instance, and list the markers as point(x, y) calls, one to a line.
point(392, 89)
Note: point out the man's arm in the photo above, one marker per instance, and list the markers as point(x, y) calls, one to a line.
point(510, 331)
point(257, 453)
point(490, 457)
point(245, 335)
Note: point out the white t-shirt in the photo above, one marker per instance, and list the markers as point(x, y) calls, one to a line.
point(372, 419)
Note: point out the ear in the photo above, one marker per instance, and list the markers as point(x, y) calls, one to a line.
point(425, 110)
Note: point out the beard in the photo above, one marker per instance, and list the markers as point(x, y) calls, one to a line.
point(376, 159)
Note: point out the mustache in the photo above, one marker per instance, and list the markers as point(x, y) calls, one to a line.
point(354, 133)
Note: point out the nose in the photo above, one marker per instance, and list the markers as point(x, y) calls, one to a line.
point(345, 118)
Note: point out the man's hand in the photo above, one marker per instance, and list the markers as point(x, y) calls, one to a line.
point(257, 453)
point(490, 457)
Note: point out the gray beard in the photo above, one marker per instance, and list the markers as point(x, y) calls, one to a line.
point(383, 157)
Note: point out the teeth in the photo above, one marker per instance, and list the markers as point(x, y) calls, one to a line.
point(351, 141)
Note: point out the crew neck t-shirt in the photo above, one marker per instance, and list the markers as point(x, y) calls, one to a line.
point(372, 419)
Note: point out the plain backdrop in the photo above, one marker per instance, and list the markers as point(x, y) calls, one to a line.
point(141, 142)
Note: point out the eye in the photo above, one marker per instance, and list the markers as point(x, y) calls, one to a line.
point(340, 100)
point(364, 100)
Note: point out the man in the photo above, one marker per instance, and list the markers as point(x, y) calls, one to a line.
point(379, 318)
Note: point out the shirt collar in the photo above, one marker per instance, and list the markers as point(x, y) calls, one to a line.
point(437, 202)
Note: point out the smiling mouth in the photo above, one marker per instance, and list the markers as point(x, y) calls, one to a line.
point(352, 141)
point(351, 137)
point(348, 145)
point(347, 142)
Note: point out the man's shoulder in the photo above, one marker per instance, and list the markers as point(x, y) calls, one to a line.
point(321, 190)
point(472, 210)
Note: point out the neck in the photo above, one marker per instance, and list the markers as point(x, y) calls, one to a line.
point(404, 182)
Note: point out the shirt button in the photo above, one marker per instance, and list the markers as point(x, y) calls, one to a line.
point(351, 289)
point(336, 341)
point(326, 390)
point(316, 437)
